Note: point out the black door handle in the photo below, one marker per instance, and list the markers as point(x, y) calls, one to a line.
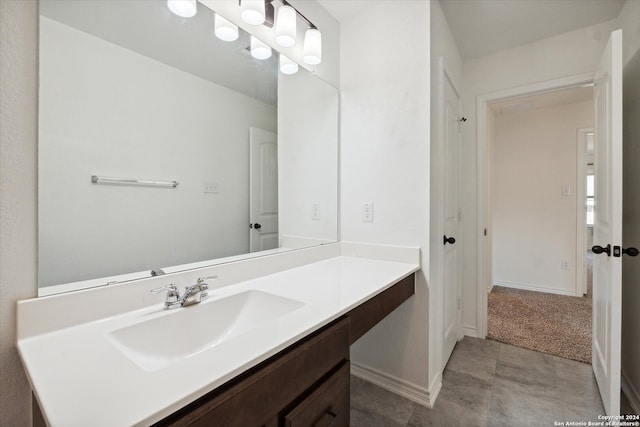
point(631, 251)
point(257, 226)
point(599, 249)
point(450, 240)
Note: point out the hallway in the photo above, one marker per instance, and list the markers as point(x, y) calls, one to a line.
point(487, 383)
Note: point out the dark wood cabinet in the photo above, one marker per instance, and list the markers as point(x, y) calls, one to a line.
point(369, 313)
point(262, 393)
point(305, 385)
point(327, 405)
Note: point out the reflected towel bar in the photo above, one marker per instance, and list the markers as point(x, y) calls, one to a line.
point(111, 180)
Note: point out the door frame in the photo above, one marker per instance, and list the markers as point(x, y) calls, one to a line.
point(581, 197)
point(482, 170)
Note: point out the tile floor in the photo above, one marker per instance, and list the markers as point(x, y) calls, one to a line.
point(487, 383)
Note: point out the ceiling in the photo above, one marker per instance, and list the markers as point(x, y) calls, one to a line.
point(481, 27)
point(343, 10)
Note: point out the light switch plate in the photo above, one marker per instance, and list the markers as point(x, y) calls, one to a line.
point(367, 212)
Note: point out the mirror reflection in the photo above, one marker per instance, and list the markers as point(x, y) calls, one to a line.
point(129, 90)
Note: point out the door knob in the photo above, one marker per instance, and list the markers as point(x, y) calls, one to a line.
point(257, 226)
point(450, 240)
point(599, 249)
point(630, 251)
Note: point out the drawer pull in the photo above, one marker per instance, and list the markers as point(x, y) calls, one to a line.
point(328, 419)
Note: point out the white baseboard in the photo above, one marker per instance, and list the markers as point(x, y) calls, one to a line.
point(631, 392)
point(470, 331)
point(421, 395)
point(535, 288)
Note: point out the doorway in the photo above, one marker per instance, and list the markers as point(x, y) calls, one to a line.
point(484, 225)
point(537, 217)
point(607, 265)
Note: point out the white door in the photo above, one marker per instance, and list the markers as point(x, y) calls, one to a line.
point(451, 216)
point(607, 265)
point(263, 191)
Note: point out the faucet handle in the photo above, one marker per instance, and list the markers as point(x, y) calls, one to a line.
point(204, 287)
point(169, 288)
point(173, 295)
point(202, 280)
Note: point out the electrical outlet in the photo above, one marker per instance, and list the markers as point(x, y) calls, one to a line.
point(565, 264)
point(367, 212)
point(315, 211)
point(210, 187)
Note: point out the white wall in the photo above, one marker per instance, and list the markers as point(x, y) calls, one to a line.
point(565, 55)
point(307, 159)
point(18, 197)
point(533, 156)
point(385, 94)
point(106, 110)
point(630, 25)
point(443, 44)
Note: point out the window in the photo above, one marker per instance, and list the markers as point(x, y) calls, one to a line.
point(590, 200)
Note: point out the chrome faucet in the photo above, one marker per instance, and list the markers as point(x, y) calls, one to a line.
point(192, 294)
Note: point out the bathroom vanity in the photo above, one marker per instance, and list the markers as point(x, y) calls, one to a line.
point(305, 384)
point(271, 350)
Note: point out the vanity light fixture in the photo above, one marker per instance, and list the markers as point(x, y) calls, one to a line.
point(287, 66)
point(259, 12)
point(312, 49)
point(253, 11)
point(183, 8)
point(225, 30)
point(259, 49)
point(286, 26)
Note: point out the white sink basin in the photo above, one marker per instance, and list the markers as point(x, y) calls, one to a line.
point(160, 342)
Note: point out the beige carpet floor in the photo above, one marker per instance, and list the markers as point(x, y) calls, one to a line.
point(549, 323)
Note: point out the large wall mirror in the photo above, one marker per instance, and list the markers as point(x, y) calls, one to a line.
point(218, 141)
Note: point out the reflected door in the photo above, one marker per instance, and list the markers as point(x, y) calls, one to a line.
point(263, 192)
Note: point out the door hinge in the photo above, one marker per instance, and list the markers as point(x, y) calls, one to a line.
point(460, 122)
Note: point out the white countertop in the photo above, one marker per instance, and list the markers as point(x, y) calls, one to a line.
point(80, 378)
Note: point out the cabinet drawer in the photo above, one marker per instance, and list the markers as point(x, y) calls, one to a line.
point(326, 406)
point(267, 389)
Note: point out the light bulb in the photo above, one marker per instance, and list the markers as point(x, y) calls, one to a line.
point(225, 30)
point(286, 26)
point(287, 66)
point(183, 8)
point(312, 49)
point(259, 50)
point(252, 11)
